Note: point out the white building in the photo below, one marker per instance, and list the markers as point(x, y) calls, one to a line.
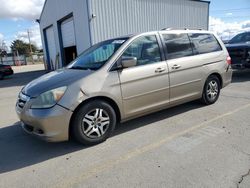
point(69, 27)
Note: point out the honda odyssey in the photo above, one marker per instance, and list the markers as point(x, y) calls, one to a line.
point(123, 78)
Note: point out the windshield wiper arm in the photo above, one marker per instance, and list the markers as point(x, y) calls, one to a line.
point(79, 68)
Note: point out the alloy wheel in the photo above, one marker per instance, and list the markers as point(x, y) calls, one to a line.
point(95, 123)
point(212, 90)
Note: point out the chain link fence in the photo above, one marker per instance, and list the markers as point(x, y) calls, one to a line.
point(22, 59)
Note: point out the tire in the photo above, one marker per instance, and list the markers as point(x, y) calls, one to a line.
point(93, 123)
point(211, 91)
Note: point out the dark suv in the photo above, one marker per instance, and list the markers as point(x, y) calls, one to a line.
point(5, 70)
point(239, 50)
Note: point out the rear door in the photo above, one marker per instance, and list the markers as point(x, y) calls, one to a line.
point(146, 86)
point(185, 70)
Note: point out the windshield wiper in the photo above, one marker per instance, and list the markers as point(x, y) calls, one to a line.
point(80, 68)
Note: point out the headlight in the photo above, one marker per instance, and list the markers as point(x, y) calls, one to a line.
point(49, 98)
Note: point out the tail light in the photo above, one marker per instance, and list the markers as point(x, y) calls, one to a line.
point(229, 60)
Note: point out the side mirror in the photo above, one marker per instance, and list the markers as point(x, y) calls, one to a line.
point(128, 62)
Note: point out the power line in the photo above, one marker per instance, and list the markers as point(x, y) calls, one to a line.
point(239, 9)
point(230, 12)
point(234, 17)
point(31, 53)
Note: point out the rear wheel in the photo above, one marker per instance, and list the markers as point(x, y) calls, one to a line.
point(211, 91)
point(93, 122)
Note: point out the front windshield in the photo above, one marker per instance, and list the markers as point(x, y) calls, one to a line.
point(96, 56)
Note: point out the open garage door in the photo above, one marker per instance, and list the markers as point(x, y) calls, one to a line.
point(51, 47)
point(68, 40)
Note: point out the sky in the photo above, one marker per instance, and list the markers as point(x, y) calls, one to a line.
point(17, 17)
point(227, 18)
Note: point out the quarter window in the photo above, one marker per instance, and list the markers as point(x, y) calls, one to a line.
point(145, 49)
point(178, 45)
point(204, 43)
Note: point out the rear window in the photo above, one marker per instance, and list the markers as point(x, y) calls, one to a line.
point(178, 45)
point(204, 43)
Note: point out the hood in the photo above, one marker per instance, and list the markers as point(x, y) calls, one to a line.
point(59, 78)
point(241, 45)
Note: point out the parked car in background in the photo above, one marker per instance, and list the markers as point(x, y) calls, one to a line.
point(5, 70)
point(121, 79)
point(239, 50)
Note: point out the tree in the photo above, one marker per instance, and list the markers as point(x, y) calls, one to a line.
point(22, 47)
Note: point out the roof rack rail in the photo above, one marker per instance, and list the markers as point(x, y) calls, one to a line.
point(167, 29)
point(170, 28)
point(193, 29)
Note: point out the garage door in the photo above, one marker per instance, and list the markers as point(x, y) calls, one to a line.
point(51, 45)
point(68, 33)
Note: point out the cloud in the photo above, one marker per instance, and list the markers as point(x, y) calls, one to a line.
point(226, 30)
point(246, 25)
point(229, 14)
point(21, 9)
point(1, 37)
point(35, 37)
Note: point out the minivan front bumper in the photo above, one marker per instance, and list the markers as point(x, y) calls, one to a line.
point(51, 124)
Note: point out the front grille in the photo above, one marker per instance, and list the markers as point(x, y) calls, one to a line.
point(22, 100)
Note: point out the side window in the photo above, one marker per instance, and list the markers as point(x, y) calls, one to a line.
point(204, 43)
point(178, 45)
point(237, 39)
point(247, 39)
point(145, 49)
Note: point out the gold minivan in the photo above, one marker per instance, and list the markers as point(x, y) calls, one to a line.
point(123, 78)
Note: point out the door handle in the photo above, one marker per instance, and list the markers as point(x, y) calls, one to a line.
point(176, 67)
point(160, 70)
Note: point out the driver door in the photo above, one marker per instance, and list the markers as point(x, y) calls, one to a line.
point(145, 86)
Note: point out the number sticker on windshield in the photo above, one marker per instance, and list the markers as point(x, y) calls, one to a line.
point(118, 41)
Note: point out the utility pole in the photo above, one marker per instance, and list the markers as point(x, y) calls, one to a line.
point(31, 53)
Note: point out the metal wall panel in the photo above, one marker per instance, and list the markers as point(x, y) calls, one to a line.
point(56, 10)
point(120, 17)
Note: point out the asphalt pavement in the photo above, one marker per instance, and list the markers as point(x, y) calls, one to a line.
point(190, 145)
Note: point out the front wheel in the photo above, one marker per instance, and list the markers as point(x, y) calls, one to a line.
point(211, 91)
point(93, 122)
